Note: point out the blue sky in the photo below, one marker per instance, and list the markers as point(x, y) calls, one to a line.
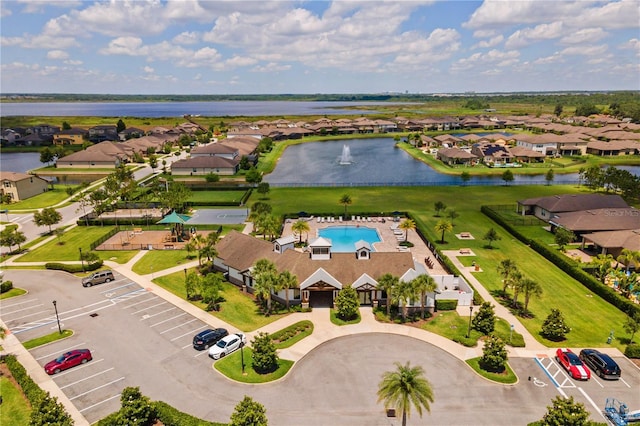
point(246, 47)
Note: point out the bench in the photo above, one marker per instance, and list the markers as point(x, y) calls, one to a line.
point(137, 230)
point(465, 235)
point(465, 251)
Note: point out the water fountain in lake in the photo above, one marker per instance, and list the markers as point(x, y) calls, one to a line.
point(345, 158)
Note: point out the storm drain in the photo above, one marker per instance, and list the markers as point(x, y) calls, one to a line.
point(93, 315)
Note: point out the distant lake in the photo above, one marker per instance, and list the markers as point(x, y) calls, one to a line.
point(179, 109)
point(20, 162)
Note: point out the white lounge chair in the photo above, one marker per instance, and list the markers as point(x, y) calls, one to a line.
point(353, 218)
point(368, 219)
point(340, 218)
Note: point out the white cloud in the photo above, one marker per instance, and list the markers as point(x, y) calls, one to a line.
point(552, 59)
point(11, 41)
point(39, 6)
point(57, 54)
point(527, 36)
point(482, 61)
point(586, 35)
point(123, 18)
point(271, 67)
point(123, 46)
point(187, 38)
point(4, 10)
point(148, 69)
point(633, 44)
point(586, 50)
point(72, 62)
point(494, 41)
point(494, 14)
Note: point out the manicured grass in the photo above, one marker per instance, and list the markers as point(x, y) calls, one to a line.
point(238, 309)
point(12, 293)
point(217, 196)
point(72, 241)
point(118, 256)
point(507, 377)
point(503, 331)
point(231, 366)
point(291, 335)
point(338, 321)
point(52, 337)
point(46, 199)
point(157, 260)
point(15, 409)
point(454, 327)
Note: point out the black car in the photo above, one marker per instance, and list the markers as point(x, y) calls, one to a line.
point(601, 364)
point(208, 337)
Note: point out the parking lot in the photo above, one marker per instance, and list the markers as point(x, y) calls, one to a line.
point(139, 339)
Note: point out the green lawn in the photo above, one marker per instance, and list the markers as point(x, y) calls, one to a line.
point(51, 337)
point(15, 409)
point(577, 304)
point(338, 321)
point(72, 241)
point(231, 366)
point(157, 260)
point(12, 293)
point(216, 196)
point(46, 199)
point(291, 335)
point(238, 309)
point(118, 256)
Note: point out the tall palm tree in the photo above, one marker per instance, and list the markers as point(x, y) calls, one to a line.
point(602, 263)
point(443, 226)
point(407, 225)
point(424, 284)
point(266, 280)
point(197, 243)
point(345, 200)
point(628, 257)
point(516, 284)
point(286, 281)
point(299, 227)
point(530, 288)
point(404, 387)
point(506, 268)
point(402, 295)
point(388, 283)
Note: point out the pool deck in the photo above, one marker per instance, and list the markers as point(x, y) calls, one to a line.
point(385, 229)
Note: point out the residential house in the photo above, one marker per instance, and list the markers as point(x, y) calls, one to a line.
point(544, 208)
point(596, 220)
point(204, 165)
point(105, 155)
point(131, 133)
point(73, 136)
point(613, 147)
point(103, 133)
point(20, 186)
point(612, 242)
point(452, 156)
point(525, 155)
point(492, 154)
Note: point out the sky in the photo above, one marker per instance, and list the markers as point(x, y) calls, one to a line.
point(276, 47)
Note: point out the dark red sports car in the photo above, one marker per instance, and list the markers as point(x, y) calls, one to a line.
point(68, 360)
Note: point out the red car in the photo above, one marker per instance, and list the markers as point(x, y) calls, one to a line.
point(68, 360)
point(573, 364)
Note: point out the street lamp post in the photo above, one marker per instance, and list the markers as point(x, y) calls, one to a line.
point(81, 259)
point(470, 313)
point(55, 307)
point(242, 356)
point(511, 333)
point(435, 301)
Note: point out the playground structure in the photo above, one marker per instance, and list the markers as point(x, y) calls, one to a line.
point(618, 413)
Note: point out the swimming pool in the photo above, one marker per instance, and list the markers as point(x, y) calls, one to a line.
point(343, 238)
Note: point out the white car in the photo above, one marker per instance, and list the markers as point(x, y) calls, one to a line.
point(226, 345)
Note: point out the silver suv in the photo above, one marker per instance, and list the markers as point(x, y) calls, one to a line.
point(98, 278)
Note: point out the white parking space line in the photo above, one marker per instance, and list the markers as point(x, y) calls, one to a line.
point(152, 297)
point(101, 402)
point(4, 312)
point(190, 332)
point(622, 380)
point(187, 346)
point(25, 316)
point(96, 388)
point(597, 381)
point(593, 404)
point(117, 288)
point(168, 319)
point(146, 317)
point(61, 351)
point(200, 354)
point(178, 326)
point(86, 378)
point(23, 302)
point(83, 366)
point(148, 307)
point(546, 364)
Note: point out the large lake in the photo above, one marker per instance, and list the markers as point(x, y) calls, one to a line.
point(179, 109)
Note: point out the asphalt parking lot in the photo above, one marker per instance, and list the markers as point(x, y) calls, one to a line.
point(139, 339)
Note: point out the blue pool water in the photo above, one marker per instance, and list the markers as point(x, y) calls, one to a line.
point(343, 238)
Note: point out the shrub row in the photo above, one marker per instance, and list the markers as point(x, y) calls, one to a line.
point(632, 351)
point(291, 331)
point(568, 266)
point(5, 286)
point(168, 415)
point(31, 390)
point(447, 304)
point(73, 268)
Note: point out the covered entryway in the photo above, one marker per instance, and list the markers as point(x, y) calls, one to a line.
point(320, 289)
point(321, 299)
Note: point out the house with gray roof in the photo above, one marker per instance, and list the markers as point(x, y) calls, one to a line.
point(613, 242)
point(202, 166)
point(544, 208)
point(20, 186)
point(596, 220)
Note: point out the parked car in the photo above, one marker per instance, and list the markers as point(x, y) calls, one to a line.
point(68, 360)
point(601, 364)
point(572, 363)
point(98, 278)
point(226, 345)
point(208, 338)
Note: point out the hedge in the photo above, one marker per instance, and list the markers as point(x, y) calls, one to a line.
point(632, 351)
point(447, 304)
point(73, 268)
point(568, 266)
point(166, 414)
point(5, 286)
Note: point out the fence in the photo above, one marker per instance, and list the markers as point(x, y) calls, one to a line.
point(129, 247)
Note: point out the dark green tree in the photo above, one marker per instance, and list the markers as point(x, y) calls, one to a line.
point(491, 236)
point(137, 409)
point(485, 320)
point(347, 304)
point(263, 188)
point(264, 356)
point(549, 176)
point(387, 283)
point(10, 236)
point(249, 413)
point(48, 411)
point(66, 126)
point(565, 412)
point(47, 155)
point(632, 325)
point(47, 217)
point(466, 177)
point(265, 145)
point(563, 237)
point(253, 175)
point(439, 207)
point(554, 327)
point(593, 177)
point(212, 177)
point(494, 355)
point(244, 163)
point(345, 200)
point(586, 109)
point(558, 110)
point(211, 287)
point(120, 126)
point(507, 177)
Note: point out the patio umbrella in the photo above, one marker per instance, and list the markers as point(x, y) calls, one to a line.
point(174, 218)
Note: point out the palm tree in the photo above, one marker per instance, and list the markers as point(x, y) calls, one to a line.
point(388, 283)
point(402, 294)
point(530, 288)
point(516, 283)
point(407, 225)
point(602, 264)
point(197, 243)
point(266, 280)
point(404, 387)
point(443, 226)
point(299, 227)
point(628, 257)
point(424, 284)
point(286, 281)
point(506, 268)
point(345, 200)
